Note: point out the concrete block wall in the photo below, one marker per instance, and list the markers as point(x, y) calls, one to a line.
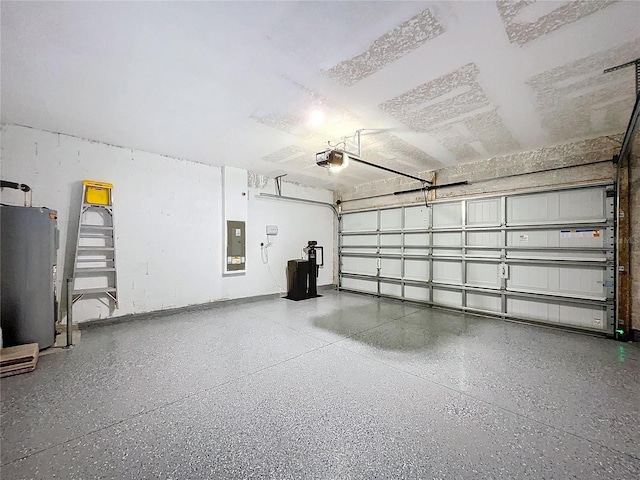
point(168, 221)
point(492, 176)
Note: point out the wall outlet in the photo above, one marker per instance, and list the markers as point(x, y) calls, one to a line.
point(272, 230)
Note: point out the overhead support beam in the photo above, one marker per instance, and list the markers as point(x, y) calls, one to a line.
point(434, 187)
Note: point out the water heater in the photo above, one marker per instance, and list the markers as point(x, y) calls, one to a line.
point(29, 238)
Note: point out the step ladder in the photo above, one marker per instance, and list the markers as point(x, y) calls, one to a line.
point(94, 268)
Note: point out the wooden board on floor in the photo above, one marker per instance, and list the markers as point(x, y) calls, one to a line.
point(18, 359)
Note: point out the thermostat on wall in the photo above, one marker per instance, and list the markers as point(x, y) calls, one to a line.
point(272, 229)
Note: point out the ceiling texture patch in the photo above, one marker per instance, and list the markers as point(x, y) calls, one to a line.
point(455, 111)
point(575, 103)
point(489, 129)
point(338, 118)
point(526, 20)
point(284, 153)
point(391, 147)
point(465, 153)
point(403, 106)
point(386, 49)
point(301, 162)
point(266, 85)
point(285, 122)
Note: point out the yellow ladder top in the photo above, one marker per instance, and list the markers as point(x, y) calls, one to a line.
point(93, 183)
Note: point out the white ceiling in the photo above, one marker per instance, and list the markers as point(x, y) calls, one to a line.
point(236, 83)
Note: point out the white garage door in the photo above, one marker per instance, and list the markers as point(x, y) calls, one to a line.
point(546, 257)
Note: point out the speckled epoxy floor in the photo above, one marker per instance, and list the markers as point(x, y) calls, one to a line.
point(342, 386)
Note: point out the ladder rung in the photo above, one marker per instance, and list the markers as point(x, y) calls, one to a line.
point(82, 291)
point(86, 248)
point(96, 227)
point(94, 260)
point(95, 235)
point(95, 269)
point(96, 205)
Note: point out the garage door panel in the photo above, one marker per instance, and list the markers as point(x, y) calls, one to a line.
point(391, 239)
point(417, 217)
point(583, 204)
point(417, 269)
point(483, 212)
point(577, 316)
point(484, 239)
point(416, 239)
point(483, 274)
point(487, 303)
point(349, 240)
point(569, 206)
point(447, 215)
point(391, 289)
point(582, 282)
point(493, 253)
point(412, 292)
point(391, 243)
point(532, 208)
point(583, 238)
point(391, 219)
point(447, 271)
point(359, 243)
point(391, 267)
point(592, 317)
point(534, 310)
point(547, 255)
point(409, 252)
point(447, 239)
point(361, 221)
point(360, 285)
point(533, 238)
point(360, 265)
point(448, 298)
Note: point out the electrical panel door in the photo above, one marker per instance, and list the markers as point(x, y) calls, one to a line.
point(236, 250)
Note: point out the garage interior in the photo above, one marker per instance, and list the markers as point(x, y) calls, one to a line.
point(321, 239)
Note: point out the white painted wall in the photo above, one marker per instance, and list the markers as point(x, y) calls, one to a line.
point(168, 216)
point(297, 224)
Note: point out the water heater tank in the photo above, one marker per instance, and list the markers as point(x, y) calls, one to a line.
point(28, 245)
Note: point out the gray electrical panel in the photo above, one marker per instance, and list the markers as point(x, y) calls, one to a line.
point(28, 244)
point(236, 250)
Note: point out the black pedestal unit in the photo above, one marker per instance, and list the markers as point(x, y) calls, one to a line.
point(302, 275)
point(297, 274)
